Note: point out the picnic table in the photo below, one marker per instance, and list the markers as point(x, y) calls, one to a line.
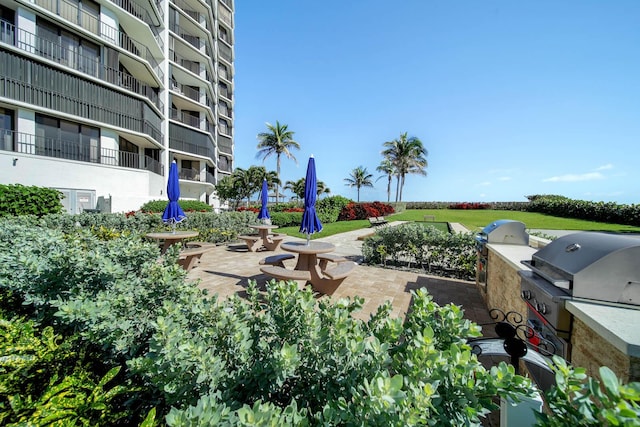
point(312, 266)
point(262, 238)
point(171, 237)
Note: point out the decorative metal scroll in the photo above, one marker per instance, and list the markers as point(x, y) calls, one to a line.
point(515, 338)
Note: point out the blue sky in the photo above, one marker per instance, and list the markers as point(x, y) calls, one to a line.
point(510, 98)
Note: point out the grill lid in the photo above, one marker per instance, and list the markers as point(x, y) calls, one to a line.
point(593, 265)
point(504, 231)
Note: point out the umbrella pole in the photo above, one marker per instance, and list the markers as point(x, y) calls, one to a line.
point(308, 238)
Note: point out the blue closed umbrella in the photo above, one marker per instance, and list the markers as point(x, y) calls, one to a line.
point(310, 221)
point(173, 213)
point(264, 196)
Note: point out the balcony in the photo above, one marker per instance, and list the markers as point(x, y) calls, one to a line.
point(225, 145)
point(193, 66)
point(25, 143)
point(91, 23)
point(186, 118)
point(225, 16)
point(92, 66)
point(189, 174)
point(225, 52)
point(187, 147)
point(211, 179)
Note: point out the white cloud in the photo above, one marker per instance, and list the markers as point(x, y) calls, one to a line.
point(504, 178)
point(483, 184)
point(591, 176)
point(605, 167)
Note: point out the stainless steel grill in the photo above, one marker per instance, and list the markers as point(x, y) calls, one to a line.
point(599, 267)
point(501, 231)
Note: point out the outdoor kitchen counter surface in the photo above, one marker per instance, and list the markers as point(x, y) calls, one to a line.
point(617, 325)
point(513, 254)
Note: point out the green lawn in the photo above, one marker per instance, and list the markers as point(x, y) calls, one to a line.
point(472, 219)
point(477, 219)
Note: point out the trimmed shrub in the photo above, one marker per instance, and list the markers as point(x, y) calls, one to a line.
point(286, 219)
point(467, 205)
point(425, 247)
point(158, 206)
point(561, 206)
point(17, 199)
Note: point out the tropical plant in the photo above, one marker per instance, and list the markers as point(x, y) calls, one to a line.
point(407, 155)
point(359, 177)
point(277, 141)
point(386, 167)
point(17, 199)
point(297, 187)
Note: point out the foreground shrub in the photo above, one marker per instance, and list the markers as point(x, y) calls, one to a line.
point(329, 208)
point(580, 400)
point(17, 199)
point(426, 247)
point(46, 379)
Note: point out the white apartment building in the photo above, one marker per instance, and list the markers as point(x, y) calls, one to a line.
point(98, 97)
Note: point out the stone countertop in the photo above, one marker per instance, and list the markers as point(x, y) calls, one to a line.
point(513, 254)
point(616, 324)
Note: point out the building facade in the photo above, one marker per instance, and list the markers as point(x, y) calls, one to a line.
point(98, 97)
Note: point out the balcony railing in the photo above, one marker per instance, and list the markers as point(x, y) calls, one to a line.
point(211, 179)
point(192, 66)
point(225, 145)
point(89, 152)
point(139, 12)
point(185, 118)
point(72, 13)
point(189, 174)
point(26, 92)
point(188, 147)
point(225, 52)
point(225, 16)
point(92, 66)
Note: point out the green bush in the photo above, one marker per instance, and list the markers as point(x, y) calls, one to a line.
point(329, 208)
point(158, 206)
point(46, 379)
point(286, 219)
point(448, 254)
point(561, 206)
point(583, 401)
point(17, 199)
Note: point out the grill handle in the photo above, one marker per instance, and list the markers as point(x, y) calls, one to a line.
point(557, 282)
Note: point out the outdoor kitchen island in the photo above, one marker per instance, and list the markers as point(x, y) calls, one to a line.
point(600, 334)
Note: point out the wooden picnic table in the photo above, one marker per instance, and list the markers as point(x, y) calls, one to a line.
point(170, 237)
point(307, 269)
point(263, 238)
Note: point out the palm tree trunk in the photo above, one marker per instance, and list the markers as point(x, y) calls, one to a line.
point(397, 187)
point(389, 189)
point(358, 194)
point(278, 173)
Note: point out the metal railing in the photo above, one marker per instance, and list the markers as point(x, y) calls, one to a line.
point(89, 152)
point(225, 52)
point(225, 145)
point(92, 66)
point(211, 179)
point(189, 147)
point(185, 118)
point(72, 13)
point(26, 92)
point(225, 16)
point(190, 65)
point(189, 174)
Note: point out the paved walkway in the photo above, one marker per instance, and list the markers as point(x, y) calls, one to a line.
point(227, 269)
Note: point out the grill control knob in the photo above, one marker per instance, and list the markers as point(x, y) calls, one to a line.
point(541, 307)
point(526, 294)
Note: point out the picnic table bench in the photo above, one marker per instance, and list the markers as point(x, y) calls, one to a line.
point(276, 259)
point(189, 257)
point(256, 241)
point(431, 217)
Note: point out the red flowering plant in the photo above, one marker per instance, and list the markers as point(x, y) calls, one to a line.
point(364, 210)
point(250, 208)
point(470, 205)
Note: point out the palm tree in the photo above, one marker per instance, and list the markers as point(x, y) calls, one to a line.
point(278, 141)
point(387, 168)
point(358, 178)
point(407, 155)
point(297, 187)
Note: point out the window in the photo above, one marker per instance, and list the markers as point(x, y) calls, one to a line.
point(6, 129)
point(65, 139)
point(67, 48)
point(128, 153)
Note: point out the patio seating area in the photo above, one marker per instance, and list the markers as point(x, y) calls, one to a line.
point(227, 269)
